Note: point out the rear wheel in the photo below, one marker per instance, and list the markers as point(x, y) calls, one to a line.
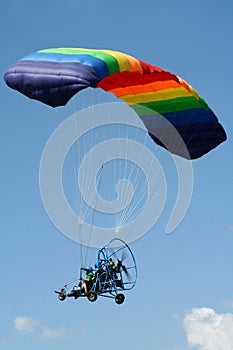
point(120, 298)
point(92, 296)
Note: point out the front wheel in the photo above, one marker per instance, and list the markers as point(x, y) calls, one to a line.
point(92, 296)
point(62, 296)
point(120, 298)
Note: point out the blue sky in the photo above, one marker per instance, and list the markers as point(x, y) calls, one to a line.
point(184, 292)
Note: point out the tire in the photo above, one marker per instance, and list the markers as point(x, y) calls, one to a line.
point(62, 297)
point(92, 296)
point(120, 298)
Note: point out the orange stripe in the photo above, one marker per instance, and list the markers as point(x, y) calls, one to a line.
point(134, 63)
point(138, 89)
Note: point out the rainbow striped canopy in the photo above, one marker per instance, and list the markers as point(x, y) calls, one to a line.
point(54, 76)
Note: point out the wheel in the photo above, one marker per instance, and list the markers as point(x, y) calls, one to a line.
point(62, 297)
point(61, 294)
point(120, 298)
point(92, 296)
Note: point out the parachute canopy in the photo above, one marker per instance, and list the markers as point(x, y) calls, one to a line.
point(54, 76)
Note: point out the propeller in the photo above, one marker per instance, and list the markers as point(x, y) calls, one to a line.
point(119, 262)
point(121, 265)
point(126, 271)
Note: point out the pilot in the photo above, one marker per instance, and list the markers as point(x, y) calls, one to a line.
point(88, 280)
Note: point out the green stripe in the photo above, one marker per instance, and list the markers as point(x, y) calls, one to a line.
point(203, 102)
point(109, 60)
point(168, 106)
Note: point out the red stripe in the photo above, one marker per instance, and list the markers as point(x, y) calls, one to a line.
point(126, 79)
point(149, 68)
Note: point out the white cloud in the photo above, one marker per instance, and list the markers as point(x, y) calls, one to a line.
point(208, 330)
point(26, 324)
point(53, 333)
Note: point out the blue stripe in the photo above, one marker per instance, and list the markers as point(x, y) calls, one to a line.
point(181, 118)
point(199, 129)
point(96, 63)
point(190, 116)
point(53, 83)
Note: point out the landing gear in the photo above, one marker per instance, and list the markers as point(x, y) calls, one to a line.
point(92, 296)
point(120, 298)
point(62, 297)
point(61, 294)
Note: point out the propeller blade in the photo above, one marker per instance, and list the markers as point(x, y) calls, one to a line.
point(123, 255)
point(127, 274)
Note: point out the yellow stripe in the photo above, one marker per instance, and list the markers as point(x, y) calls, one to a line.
point(166, 94)
point(193, 91)
point(121, 59)
point(126, 62)
point(135, 65)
